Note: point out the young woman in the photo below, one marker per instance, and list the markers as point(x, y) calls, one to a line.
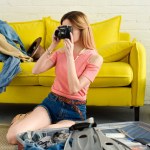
point(76, 65)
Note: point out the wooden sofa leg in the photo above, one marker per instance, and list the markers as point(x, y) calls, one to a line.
point(136, 113)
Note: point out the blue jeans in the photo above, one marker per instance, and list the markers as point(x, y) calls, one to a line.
point(10, 69)
point(11, 64)
point(59, 110)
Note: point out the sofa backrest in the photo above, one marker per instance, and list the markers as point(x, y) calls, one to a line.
point(105, 32)
point(29, 31)
point(125, 36)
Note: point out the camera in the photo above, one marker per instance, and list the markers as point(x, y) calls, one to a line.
point(63, 32)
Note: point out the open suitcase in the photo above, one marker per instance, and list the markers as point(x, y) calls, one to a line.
point(86, 136)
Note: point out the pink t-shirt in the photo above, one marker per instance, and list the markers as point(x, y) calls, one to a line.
point(83, 67)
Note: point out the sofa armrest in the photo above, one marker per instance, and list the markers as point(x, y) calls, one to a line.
point(138, 63)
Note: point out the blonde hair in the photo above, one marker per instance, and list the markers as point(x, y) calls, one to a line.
point(80, 21)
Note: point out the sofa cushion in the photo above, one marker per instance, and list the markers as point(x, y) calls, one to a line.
point(114, 74)
point(115, 51)
point(29, 31)
point(111, 74)
point(104, 32)
point(107, 31)
point(25, 77)
point(51, 26)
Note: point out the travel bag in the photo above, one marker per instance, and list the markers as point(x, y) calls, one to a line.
point(84, 135)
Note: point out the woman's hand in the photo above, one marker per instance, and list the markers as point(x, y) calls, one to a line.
point(69, 45)
point(54, 43)
point(55, 40)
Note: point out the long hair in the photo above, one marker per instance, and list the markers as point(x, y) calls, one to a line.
point(80, 21)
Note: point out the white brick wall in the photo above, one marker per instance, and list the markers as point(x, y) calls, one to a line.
point(135, 16)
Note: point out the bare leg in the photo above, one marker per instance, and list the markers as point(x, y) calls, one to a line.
point(37, 119)
point(62, 124)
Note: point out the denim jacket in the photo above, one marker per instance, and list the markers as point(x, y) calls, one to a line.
point(11, 64)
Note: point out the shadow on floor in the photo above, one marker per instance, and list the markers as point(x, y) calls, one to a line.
point(101, 114)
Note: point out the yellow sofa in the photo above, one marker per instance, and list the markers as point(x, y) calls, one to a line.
point(120, 82)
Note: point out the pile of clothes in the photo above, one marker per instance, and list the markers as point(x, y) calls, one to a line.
point(12, 52)
point(44, 140)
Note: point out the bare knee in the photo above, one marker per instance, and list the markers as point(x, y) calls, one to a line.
point(11, 135)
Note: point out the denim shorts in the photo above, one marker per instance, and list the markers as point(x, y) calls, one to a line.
point(59, 110)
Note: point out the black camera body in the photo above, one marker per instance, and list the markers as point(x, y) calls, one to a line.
point(63, 32)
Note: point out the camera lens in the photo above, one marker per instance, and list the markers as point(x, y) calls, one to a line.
point(63, 32)
point(56, 33)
